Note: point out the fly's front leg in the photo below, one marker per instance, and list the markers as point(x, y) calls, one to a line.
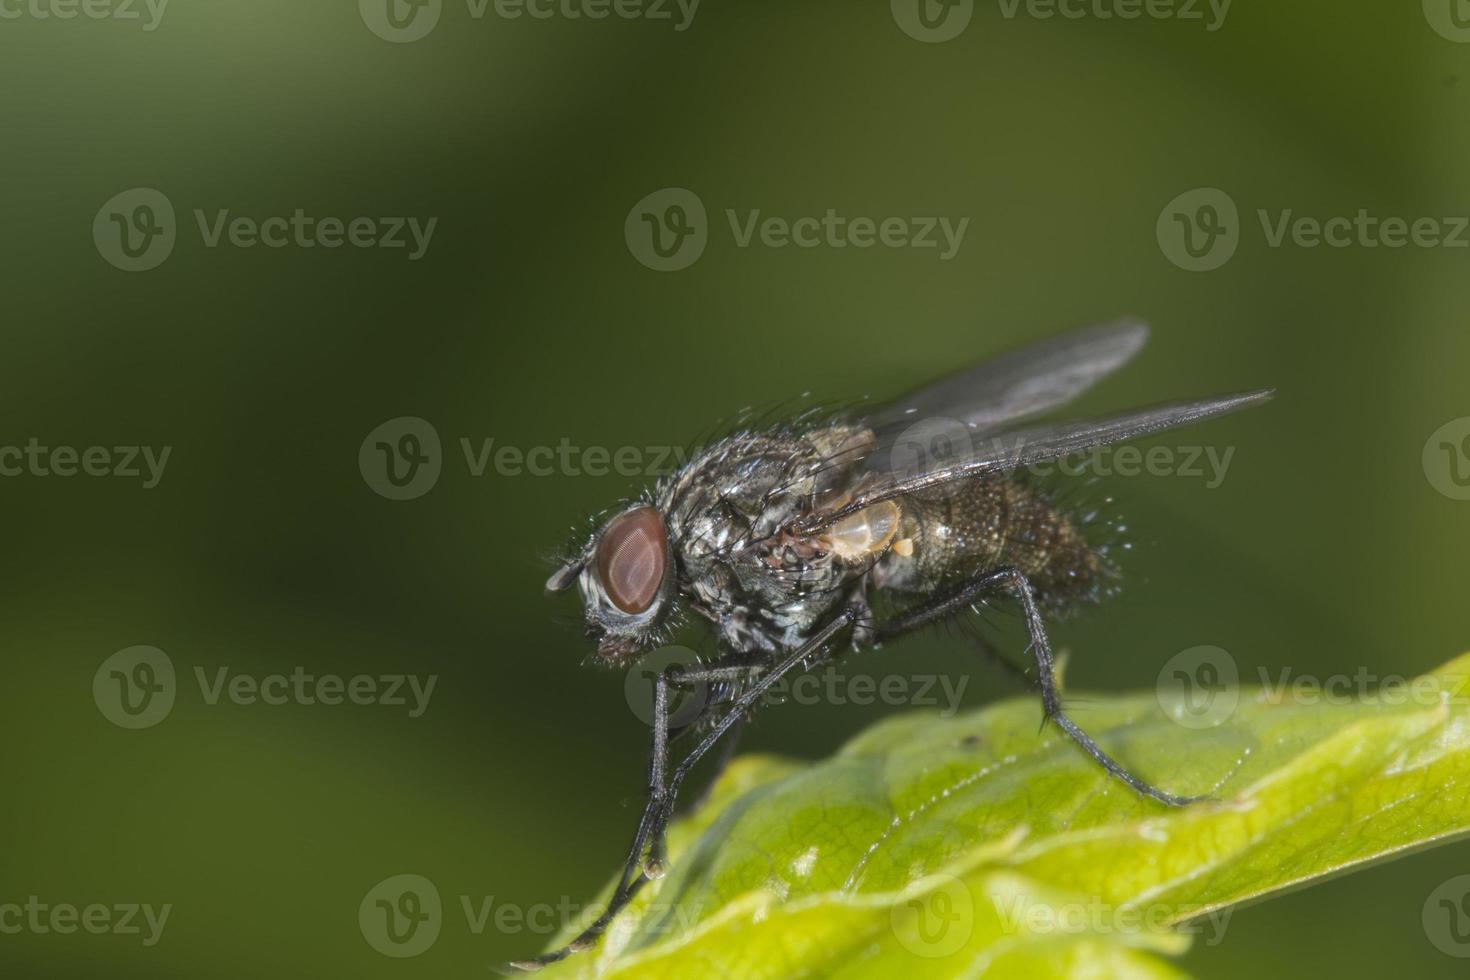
point(657, 861)
point(632, 878)
point(659, 807)
point(849, 616)
point(1051, 700)
point(692, 680)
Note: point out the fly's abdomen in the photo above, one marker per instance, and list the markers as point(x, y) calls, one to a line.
point(963, 530)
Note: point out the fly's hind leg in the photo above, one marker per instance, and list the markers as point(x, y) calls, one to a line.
point(987, 650)
point(1010, 579)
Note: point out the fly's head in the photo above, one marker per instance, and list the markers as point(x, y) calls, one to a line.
point(626, 577)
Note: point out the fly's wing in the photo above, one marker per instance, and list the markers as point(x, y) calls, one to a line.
point(935, 457)
point(1022, 383)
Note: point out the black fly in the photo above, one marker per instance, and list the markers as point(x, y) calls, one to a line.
point(858, 526)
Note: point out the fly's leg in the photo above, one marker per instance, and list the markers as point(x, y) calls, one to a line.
point(656, 864)
point(849, 616)
point(722, 761)
point(656, 856)
point(637, 872)
point(987, 650)
point(661, 797)
point(1051, 700)
point(923, 614)
point(632, 879)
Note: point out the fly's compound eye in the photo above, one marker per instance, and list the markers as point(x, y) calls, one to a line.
point(631, 557)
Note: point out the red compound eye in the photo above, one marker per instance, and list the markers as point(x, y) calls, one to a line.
point(631, 558)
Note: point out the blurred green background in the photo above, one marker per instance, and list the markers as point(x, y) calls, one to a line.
point(528, 320)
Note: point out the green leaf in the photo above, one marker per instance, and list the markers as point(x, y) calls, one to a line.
point(946, 847)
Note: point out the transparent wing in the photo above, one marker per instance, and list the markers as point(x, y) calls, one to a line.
point(1022, 383)
point(941, 455)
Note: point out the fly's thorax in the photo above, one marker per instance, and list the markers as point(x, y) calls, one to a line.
point(968, 528)
point(729, 509)
point(738, 490)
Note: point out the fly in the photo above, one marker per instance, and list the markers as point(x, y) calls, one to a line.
point(849, 529)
